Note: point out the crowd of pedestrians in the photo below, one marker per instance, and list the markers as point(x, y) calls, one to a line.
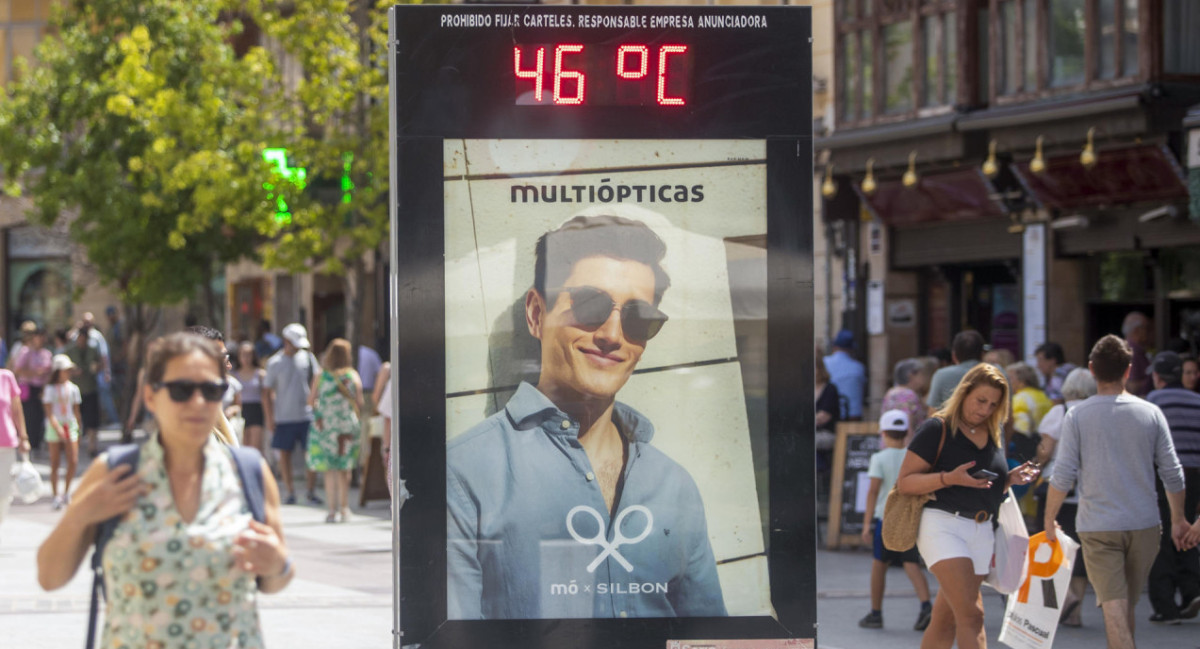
point(278, 400)
point(1108, 454)
point(186, 524)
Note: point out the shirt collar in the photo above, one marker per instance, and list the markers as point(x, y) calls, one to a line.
point(528, 407)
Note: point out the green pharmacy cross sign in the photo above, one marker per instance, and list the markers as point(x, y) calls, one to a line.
point(298, 177)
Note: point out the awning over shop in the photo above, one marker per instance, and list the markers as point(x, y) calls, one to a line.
point(1137, 174)
point(951, 197)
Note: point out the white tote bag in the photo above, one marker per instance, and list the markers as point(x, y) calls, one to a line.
point(1012, 543)
point(1031, 617)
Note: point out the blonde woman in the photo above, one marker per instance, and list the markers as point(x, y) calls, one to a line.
point(968, 473)
point(336, 399)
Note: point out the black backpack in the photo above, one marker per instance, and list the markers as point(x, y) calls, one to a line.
point(249, 468)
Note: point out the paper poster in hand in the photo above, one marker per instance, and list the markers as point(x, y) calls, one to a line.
point(1031, 619)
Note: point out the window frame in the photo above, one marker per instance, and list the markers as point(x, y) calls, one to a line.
point(882, 14)
point(41, 27)
point(1091, 81)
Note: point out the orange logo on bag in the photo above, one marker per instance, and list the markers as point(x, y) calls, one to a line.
point(1040, 569)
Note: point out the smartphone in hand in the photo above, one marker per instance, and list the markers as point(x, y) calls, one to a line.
point(984, 474)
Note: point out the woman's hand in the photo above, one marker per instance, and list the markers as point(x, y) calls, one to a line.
point(1023, 474)
point(260, 551)
point(1192, 537)
point(112, 495)
point(961, 477)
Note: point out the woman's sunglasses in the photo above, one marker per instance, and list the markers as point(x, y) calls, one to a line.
point(182, 391)
point(592, 307)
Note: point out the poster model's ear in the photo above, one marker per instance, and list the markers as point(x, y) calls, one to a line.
point(535, 310)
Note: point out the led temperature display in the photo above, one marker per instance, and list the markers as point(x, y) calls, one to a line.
point(579, 74)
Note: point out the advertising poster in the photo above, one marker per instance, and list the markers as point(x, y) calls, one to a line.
point(606, 388)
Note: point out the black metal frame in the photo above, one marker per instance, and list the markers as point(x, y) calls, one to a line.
point(748, 84)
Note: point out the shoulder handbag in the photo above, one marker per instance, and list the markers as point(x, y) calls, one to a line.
point(902, 512)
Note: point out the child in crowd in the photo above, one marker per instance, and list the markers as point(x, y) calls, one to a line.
point(61, 399)
point(883, 471)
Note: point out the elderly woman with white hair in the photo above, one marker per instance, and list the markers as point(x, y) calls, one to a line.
point(910, 384)
point(1078, 386)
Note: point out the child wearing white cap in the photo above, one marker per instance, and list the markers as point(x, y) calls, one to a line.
point(883, 471)
point(61, 399)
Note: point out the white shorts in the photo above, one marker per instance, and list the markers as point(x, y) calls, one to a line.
point(943, 535)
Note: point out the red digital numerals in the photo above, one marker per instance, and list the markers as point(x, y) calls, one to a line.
point(569, 84)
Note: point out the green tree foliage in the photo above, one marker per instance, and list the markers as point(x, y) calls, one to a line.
point(140, 125)
point(330, 102)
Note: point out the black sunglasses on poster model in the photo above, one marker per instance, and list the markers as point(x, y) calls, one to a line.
point(592, 307)
point(180, 391)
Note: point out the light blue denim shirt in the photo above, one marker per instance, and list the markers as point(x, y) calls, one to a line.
point(529, 536)
point(850, 377)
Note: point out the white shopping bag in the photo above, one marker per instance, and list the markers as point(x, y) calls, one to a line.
point(27, 481)
point(1031, 618)
point(1012, 544)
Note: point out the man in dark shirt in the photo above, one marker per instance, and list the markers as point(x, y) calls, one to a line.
point(88, 366)
point(1175, 571)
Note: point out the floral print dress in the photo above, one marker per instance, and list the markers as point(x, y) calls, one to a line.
point(333, 415)
point(174, 584)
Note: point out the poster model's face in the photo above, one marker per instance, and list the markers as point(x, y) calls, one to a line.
point(582, 361)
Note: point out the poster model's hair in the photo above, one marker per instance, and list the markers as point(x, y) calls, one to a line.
point(558, 250)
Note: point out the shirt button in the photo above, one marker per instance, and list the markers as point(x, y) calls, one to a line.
point(590, 476)
point(624, 614)
point(566, 423)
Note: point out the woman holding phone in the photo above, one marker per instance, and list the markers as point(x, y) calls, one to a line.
point(186, 561)
point(958, 455)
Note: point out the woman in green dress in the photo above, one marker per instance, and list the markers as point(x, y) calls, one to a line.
point(336, 399)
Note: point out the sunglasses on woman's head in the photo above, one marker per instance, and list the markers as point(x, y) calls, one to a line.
point(181, 391)
point(592, 307)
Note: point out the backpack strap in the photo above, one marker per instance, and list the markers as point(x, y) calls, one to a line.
point(117, 455)
point(249, 468)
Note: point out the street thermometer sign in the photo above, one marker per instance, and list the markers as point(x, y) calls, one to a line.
point(602, 285)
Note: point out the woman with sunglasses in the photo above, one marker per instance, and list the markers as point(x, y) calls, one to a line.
point(184, 566)
point(336, 400)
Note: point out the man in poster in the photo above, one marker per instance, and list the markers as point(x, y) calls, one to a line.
point(558, 506)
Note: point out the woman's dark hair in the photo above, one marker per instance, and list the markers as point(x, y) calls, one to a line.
point(557, 251)
point(1110, 358)
point(235, 356)
point(967, 346)
point(174, 345)
point(207, 332)
point(1053, 351)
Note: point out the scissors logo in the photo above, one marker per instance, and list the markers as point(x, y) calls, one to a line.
point(619, 539)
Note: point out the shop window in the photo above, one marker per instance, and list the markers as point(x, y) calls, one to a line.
point(1180, 271)
point(1181, 48)
point(1047, 46)
point(1124, 277)
point(22, 26)
point(898, 68)
point(1065, 42)
point(1106, 36)
point(913, 46)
